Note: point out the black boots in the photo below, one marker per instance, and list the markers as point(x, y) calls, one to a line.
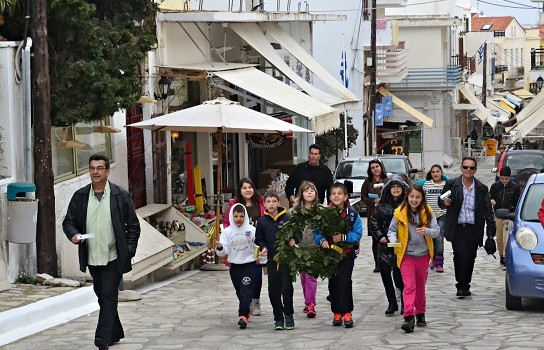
point(393, 306)
point(409, 324)
point(420, 320)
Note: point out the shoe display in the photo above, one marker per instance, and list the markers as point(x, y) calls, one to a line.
point(409, 324)
point(255, 307)
point(279, 325)
point(242, 322)
point(289, 322)
point(337, 320)
point(420, 320)
point(392, 308)
point(310, 312)
point(101, 344)
point(348, 320)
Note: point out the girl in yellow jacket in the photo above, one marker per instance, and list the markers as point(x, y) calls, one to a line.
point(413, 226)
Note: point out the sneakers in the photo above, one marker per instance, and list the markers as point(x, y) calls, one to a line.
point(440, 269)
point(461, 293)
point(337, 320)
point(279, 325)
point(310, 311)
point(242, 322)
point(289, 322)
point(255, 307)
point(348, 320)
point(305, 309)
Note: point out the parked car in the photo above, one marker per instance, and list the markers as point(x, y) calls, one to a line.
point(353, 172)
point(524, 256)
point(523, 163)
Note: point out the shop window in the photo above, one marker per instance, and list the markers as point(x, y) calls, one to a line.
point(72, 146)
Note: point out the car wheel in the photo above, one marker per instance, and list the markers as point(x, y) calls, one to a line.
point(512, 302)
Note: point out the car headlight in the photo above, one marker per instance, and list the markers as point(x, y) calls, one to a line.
point(526, 238)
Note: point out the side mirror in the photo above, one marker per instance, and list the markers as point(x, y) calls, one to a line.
point(505, 214)
point(494, 170)
point(414, 171)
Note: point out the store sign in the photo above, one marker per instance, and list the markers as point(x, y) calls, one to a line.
point(265, 141)
point(378, 115)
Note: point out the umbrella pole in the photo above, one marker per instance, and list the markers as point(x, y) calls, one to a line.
point(218, 136)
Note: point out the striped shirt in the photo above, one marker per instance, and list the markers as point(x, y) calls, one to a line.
point(432, 192)
point(466, 215)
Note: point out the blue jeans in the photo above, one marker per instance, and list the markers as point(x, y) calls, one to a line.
point(438, 242)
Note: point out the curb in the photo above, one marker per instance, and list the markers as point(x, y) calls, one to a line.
point(22, 322)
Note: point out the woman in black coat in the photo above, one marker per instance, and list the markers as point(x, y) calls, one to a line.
point(392, 196)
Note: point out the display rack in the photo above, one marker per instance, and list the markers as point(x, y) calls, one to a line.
point(191, 233)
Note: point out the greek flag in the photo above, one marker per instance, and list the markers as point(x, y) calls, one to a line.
point(343, 69)
point(481, 54)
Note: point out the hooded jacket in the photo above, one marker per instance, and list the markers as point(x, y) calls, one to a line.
point(232, 202)
point(353, 234)
point(238, 241)
point(267, 228)
point(381, 218)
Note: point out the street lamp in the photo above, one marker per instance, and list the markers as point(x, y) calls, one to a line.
point(539, 82)
point(164, 87)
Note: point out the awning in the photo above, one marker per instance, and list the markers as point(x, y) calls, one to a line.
point(524, 94)
point(287, 42)
point(495, 106)
point(528, 118)
point(504, 104)
point(400, 103)
point(253, 35)
point(482, 113)
point(323, 117)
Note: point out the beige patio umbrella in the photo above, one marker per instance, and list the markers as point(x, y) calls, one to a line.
point(218, 116)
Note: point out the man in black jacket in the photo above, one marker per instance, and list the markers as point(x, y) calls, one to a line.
point(104, 211)
point(504, 195)
point(313, 170)
point(468, 210)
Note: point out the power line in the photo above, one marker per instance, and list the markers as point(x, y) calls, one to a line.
point(523, 7)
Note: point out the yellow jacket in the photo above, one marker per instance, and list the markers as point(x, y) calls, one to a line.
point(403, 234)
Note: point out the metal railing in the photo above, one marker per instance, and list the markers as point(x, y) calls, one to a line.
point(537, 59)
point(430, 78)
point(391, 63)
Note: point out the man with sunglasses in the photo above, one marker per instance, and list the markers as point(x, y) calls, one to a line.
point(468, 211)
point(102, 221)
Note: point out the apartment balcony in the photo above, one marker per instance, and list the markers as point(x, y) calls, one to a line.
point(391, 3)
point(501, 68)
point(391, 65)
point(430, 79)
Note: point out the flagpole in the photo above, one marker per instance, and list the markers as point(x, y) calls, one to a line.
point(344, 62)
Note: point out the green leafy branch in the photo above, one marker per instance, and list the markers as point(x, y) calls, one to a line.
point(314, 261)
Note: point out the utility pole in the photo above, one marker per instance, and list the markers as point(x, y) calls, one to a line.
point(484, 84)
point(46, 247)
point(372, 128)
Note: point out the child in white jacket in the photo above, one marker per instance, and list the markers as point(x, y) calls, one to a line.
point(238, 242)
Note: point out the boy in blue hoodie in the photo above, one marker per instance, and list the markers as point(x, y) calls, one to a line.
point(280, 286)
point(340, 285)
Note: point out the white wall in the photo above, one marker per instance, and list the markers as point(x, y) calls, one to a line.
point(327, 50)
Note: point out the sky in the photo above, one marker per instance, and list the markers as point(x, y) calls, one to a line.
point(525, 11)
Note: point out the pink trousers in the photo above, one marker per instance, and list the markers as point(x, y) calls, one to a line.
point(414, 275)
point(309, 288)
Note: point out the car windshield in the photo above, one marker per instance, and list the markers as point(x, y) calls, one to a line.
point(394, 165)
point(356, 169)
point(532, 202)
point(518, 162)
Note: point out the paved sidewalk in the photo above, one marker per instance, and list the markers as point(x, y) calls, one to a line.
point(199, 312)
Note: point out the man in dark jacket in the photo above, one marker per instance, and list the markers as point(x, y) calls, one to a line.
point(313, 170)
point(104, 211)
point(469, 209)
point(504, 195)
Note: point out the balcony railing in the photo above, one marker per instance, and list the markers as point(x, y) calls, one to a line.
point(468, 63)
point(501, 68)
point(430, 78)
point(391, 65)
point(537, 59)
